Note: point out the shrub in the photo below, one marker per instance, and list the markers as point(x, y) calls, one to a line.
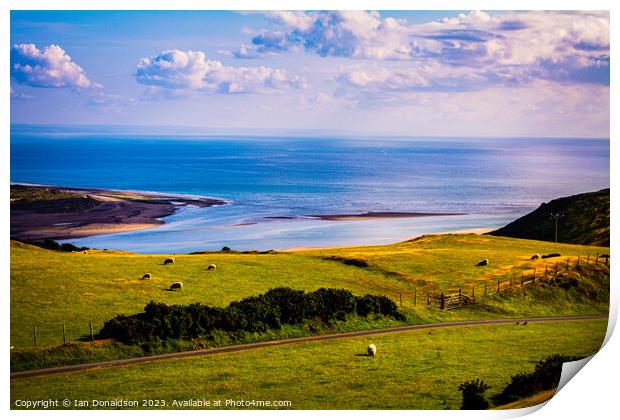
point(55, 246)
point(546, 376)
point(473, 395)
point(356, 262)
point(260, 313)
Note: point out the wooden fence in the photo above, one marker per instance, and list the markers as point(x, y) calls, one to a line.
point(456, 299)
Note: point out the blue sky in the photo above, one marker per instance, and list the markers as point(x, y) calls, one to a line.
point(465, 73)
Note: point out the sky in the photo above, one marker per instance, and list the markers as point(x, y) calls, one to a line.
point(413, 73)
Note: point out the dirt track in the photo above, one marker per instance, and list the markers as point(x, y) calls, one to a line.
point(241, 347)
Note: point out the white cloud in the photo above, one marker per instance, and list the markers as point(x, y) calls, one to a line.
point(508, 46)
point(187, 71)
point(51, 67)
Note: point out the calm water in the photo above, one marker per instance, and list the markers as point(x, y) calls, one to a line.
point(492, 180)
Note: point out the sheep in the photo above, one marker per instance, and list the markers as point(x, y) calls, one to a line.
point(534, 257)
point(146, 276)
point(176, 286)
point(169, 261)
point(212, 267)
point(372, 350)
point(482, 262)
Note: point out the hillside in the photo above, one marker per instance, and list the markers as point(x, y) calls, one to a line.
point(584, 219)
point(97, 285)
point(49, 200)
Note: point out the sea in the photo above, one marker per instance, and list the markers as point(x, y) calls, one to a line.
point(273, 183)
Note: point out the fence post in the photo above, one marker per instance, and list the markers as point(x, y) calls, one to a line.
point(497, 285)
point(64, 334)
point(401, 299)
point(90, 326)
point(34, 334)
point(428, 297)
point(415, 297)
point(578, 258)
point(460, 294)
point(443, 302)
point(607, 261)
point(596, 258)
point(522, 279)
point(545, 270)
point(567, 260)
point(473, 294)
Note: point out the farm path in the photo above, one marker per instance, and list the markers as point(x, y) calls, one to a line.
point(263, 344)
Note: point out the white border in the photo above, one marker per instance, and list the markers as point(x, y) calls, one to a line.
point(591, 395)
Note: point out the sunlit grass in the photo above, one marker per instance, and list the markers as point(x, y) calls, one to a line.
point(412, 370)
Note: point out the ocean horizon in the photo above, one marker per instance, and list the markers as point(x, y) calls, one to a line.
point(273, 183)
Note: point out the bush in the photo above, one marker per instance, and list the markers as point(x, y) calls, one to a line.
point(546, 376)
point(356, 262)
point(260, 313)
point(473, 395)
point(55, 246)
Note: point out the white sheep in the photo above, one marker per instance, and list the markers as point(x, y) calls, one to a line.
point(212, 267)
point(372, 350)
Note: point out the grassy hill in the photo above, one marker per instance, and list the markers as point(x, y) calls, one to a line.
point(417, 369)
point(49, 288)
point(584, 220)
point(49, 200)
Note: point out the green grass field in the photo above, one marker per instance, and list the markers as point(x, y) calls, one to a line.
point(412, 370)
point(49, 289)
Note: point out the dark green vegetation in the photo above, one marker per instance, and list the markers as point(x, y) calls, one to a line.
point(49, 200)
point(583, 219)
point(546, 375)
point(412, 370)
point(55, 246)
point(260, 313)
point(473, 395)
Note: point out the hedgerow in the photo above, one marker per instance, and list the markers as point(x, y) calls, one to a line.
point(260, 313)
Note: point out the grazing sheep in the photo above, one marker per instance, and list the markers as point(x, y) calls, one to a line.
point(482, 262)
point(176, 286)
point(525, 323)
point(169, 261)
point(146, 276)
point(534, 257)
point(372, 350)
point(212, 267)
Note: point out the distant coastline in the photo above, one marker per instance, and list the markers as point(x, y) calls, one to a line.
point(114, 211)
point(104, 211)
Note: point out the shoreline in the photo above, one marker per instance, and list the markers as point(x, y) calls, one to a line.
point(378, 215)
point(116, 211)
